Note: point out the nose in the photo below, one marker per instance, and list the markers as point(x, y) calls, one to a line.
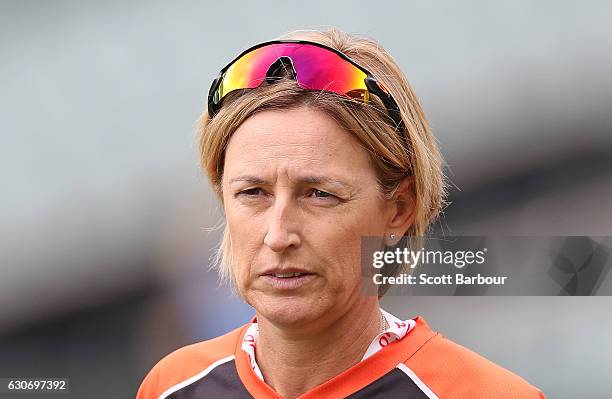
point(281, 233)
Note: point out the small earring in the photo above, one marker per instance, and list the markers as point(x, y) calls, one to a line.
point(392, 236)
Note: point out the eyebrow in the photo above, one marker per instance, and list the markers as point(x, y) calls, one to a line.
point(310, 179)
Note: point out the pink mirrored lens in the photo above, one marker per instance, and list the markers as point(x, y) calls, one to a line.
point(316, 69)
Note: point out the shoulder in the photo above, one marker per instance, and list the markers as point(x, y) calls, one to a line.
point(453, 371)
point(187, 362)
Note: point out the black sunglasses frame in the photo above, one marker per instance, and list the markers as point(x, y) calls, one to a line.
point(214, 102)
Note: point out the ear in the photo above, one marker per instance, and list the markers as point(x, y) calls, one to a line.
point(402, 209)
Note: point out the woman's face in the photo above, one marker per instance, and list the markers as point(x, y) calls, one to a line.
point(299, 193)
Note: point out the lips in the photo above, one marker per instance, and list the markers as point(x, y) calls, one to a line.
point(287, 275)
point(287, 278)
point(286, 272)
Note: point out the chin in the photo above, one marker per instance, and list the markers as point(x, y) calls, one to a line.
point(290, 310)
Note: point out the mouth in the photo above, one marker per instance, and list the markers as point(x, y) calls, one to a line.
point(286, 275)
point(287, 279)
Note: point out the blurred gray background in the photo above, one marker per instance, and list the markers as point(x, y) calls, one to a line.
point(104, 251)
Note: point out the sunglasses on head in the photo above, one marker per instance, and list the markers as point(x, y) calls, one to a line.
point(312, 65)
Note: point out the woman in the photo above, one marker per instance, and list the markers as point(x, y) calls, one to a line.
point(309, 151)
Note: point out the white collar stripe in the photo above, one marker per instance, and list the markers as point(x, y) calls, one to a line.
point(196, 377)
point(422, 386)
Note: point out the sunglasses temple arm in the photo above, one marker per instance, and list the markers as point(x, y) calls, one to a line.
point(388, 101)
point(394, 112)
point(213, 106)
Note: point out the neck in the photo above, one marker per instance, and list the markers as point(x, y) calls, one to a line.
point(316, 355)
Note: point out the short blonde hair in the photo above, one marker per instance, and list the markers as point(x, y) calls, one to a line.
point(394, 155)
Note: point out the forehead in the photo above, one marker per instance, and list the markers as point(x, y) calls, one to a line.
point(300, 140)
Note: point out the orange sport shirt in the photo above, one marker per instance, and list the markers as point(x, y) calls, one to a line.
point(421, 365)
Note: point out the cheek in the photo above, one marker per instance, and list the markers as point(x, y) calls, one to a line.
point(338, 244)
point(343, 241)
point(245, 236)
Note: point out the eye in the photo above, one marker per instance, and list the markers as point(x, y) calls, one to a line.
point(321, 194)
point(251, 192)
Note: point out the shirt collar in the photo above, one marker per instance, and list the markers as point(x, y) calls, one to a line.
point(396, 331)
